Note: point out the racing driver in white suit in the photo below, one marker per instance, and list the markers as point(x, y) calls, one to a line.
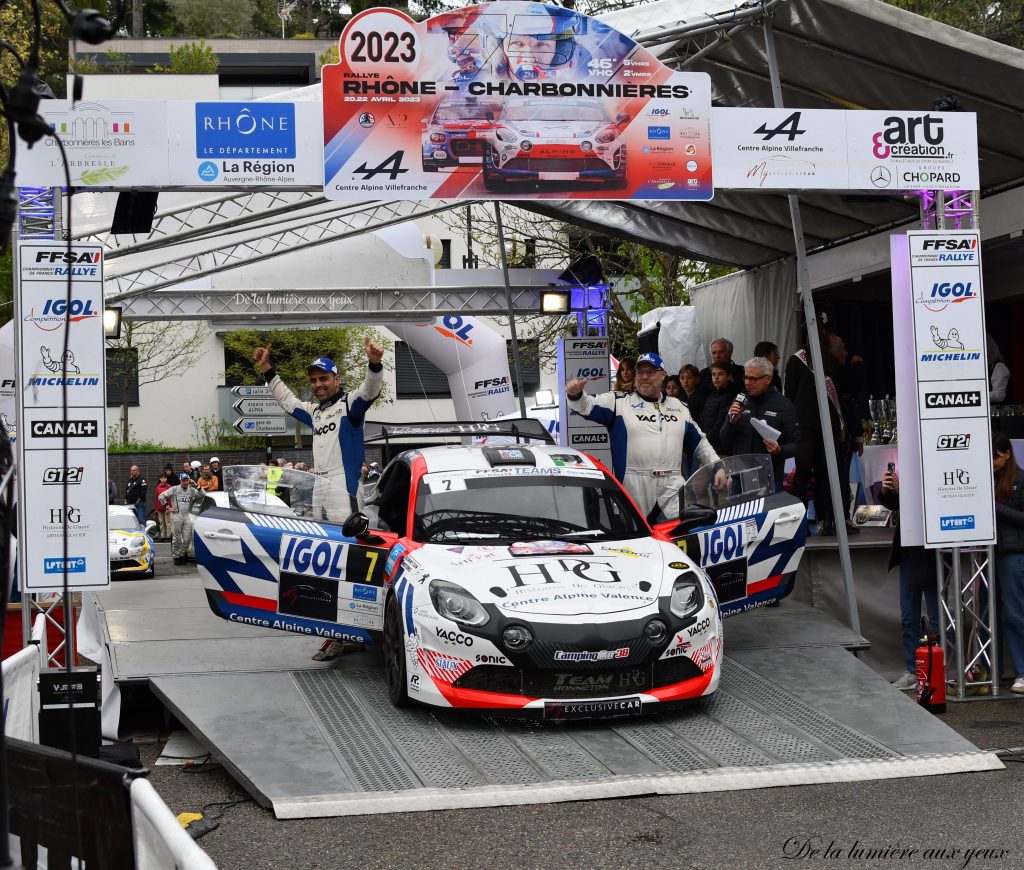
point(649, 434)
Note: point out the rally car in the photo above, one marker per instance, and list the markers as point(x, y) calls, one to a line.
point(564, 140)
point(515, 579)
point(130, 545)
point(456, 132)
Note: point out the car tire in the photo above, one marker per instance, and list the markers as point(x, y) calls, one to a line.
point(394, 655)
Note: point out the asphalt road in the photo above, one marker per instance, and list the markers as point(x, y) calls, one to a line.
point(967, 820)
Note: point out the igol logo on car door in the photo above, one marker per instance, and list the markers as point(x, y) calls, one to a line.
point(722, 544)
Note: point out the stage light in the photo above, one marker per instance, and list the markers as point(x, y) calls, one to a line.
point(544, 399)
point(554, 301)
point(112, 322)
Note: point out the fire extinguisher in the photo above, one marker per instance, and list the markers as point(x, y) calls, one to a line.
point(930, 664)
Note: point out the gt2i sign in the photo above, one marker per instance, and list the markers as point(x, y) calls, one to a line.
point(509, 100)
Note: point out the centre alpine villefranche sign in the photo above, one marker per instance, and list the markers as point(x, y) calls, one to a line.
point(509, 100)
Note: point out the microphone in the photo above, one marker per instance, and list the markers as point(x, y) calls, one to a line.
point(741, 400)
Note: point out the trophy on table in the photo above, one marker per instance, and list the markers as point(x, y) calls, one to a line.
point(889, 426)
point(875, 411)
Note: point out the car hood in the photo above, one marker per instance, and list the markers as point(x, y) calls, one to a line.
point(554, 579)
point(118, 539)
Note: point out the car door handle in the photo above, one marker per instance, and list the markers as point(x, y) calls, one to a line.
point(223, 536)
point(786, 519)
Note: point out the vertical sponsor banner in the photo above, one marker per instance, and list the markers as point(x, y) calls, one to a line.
point(60, 349)
point(584, 358)
point(951, 386)
point(509, 100)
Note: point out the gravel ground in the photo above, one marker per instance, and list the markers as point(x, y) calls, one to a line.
point(941, 817)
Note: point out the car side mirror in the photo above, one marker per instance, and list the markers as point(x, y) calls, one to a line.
point(150, 527)
point(694, 517)
point(621, 118)
point(356, 526)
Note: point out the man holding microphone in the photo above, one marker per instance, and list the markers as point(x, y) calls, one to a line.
point(649, 434)
point(769, 406)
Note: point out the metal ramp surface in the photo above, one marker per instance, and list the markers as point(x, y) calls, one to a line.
point(306, 739)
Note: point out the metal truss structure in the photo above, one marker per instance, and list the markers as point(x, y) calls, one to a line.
point(968, 622)
point(251, 236)
point(950, 209)
point(304, 307)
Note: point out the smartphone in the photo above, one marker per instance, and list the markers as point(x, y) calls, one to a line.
point(891, 468)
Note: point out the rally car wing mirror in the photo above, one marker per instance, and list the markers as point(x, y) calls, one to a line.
point(358, 526)
point(694, 517)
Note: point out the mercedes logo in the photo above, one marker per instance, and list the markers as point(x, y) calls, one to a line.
point(880, 176)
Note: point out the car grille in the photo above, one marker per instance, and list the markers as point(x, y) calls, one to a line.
point(467, 147)
point(562, 683)
point(118, 564)
point(557, 164)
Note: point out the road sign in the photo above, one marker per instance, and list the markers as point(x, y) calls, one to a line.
point(258, 408)
point(251, 391)
point(262, 425)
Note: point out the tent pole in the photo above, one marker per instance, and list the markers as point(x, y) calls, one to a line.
point(803, 278)
point(511, 317)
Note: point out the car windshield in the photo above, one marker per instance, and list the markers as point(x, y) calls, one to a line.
point(748, 476)
point(124, 522)
point(499, 508)
point(557, 112)
point(466, 112)
point(285, 492)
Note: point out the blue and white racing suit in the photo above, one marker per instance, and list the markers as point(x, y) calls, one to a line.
point(338, 448)
point(648, 442)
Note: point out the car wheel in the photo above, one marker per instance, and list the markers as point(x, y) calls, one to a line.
point(394, 654)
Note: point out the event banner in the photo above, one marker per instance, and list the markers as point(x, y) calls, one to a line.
point(60, 355)
point(584, 358)
point(952, 387)
point(509, 100)
point(823, 149)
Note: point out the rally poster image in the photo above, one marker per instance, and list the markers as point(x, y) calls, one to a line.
point(509, 100)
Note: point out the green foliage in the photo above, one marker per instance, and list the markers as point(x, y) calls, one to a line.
point(192, 57)
point(329, 56)
point(115, 443)
point(292, 349)
point(118, 63)
point(213, 435)
point(85, 65)
point(203, 18)
point(6, 285)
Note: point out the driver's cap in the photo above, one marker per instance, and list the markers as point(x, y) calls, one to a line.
point(323, 363)
point(652, 359)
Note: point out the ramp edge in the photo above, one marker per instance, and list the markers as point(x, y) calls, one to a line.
point(691, 782)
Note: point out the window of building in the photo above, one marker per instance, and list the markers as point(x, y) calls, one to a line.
point(446, 254)
point(416, 377)
point(121, 378)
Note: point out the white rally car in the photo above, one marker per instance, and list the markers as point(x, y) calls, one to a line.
point(555, 141)
point(513, 578)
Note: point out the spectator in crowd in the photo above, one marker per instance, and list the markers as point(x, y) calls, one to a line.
point(163, 521)
point(716, 404)
point(770, 351)
point(810, 455)
point(365, 470)
point(693, 396)
point(1010, 552)
point(625, 375)
point(179, 500)
point(998, 372)
point(917, 578)
point(337, 419)
point(673, 388)
point(207, 482)
point(111, 490)
point(374, 471)
point(218, 471)
point(650, 436)
point(186, 467)
point(771, 407)
point(721, 352)
point(135, 494)
point(194, 467)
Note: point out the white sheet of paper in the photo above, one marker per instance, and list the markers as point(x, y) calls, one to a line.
point(764, 430)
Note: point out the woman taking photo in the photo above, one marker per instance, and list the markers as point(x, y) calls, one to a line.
point(1010, 552)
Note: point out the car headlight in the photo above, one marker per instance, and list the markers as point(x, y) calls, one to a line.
point(505, 135)
point(437, 138)
point(606, 136)
point(687, 595)
point(455, 603)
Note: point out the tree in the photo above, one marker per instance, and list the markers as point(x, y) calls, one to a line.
point(147, 353)
point(291, 350)
point(225, 18)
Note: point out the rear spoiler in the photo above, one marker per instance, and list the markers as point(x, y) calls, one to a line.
point(522, 429)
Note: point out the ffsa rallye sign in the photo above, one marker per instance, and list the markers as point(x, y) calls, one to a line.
point(508, 100)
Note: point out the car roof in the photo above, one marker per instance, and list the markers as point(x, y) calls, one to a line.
point(459, 457)
point(120, 509)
